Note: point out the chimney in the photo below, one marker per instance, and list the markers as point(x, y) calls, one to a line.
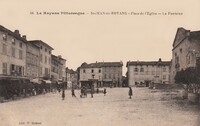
point(160, 60)
point(17, 32)
point(24, 36)
point(59, 56)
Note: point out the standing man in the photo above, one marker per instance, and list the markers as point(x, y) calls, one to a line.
point(130, 92)
point(73, 93)
point(104, 91)
point(63, 95)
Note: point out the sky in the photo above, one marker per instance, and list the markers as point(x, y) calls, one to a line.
point(109, 38)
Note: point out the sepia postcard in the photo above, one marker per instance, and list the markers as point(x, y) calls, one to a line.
point(99, 63)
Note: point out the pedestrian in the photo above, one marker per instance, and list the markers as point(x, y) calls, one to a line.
point(92, 91)
point(130, 92)
point(104, 92)
point(63, 94)
point(97, 90)
point(73, 93)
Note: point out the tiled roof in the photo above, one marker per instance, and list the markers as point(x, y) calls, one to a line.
point(17, 36)
point(102, 64)
point(162, 63)
point(41, 42)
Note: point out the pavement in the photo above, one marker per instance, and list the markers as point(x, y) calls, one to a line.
point(146, 108)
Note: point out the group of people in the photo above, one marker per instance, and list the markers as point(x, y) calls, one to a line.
point(84, 92)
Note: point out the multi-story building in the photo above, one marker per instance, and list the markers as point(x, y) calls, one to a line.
point(12, 53)
point(112, 73)
point(186, 50)
point(32, 61)
point(72, 78)
point(62, 67)
point(90, 74)
point(57, 66)
point(55, 63)
point(103, 73)
point(143, 72)
point(45, 59)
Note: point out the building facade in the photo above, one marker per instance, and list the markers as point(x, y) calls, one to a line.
point(45, 59)
point(58, 65)
point(112, 73)
point(103, 73)
point(62, 68)
point(143, 72)
point(72, 78)
point(12, 53)
point(32, 61)
point(185, 52)
point(55, 63)
point(90, 74)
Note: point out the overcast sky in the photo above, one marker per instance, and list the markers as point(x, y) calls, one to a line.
point(90, 38)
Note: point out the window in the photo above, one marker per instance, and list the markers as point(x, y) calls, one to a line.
point(188, 60)
point(105, 76)
point(109, 75)
point(45, 49)
point(164, 77)
point(45, 60)
point(4, 37)
point(176, 59)
point(83, 70)
point(49, 60)
point(141, 69)
point(180, 50)
point(99, 71)
point(136, 70)
point(20, 54)
point(49, 52)
point(13, 41)
point(13, 52)
point(92, 71)
point(46, 71)
point(40, 57)
point(4, 49)
point(164, 69)
point(5, 68)
point(40, 47)
point(20, 45)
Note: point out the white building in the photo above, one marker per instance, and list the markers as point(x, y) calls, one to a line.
point(12, 53)
point(145, 72)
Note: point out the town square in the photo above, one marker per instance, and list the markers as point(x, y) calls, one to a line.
point(100, 63)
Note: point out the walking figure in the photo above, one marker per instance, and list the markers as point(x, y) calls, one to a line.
point(73, 93)
point(63, 95)
point(92, 92)
point(104, 91)
point(130, 92)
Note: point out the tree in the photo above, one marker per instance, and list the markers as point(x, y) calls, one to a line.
point(190, 77)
